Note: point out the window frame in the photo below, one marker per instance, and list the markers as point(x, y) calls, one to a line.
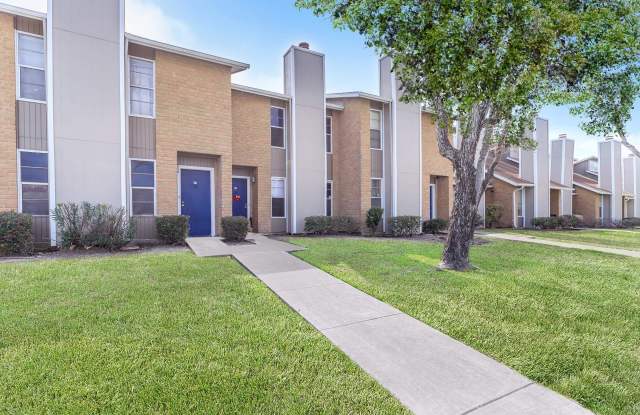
point(21, 183)
point(18, 66)
point(381, 197)
point(154, 188)
point(329, 135)
point(371, 110)
point(284, 183)
point(328, 198)
point(284, 127)
point(129, 106)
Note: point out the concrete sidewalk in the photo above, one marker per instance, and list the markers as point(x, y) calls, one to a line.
point(570, 245)
point(429, 372)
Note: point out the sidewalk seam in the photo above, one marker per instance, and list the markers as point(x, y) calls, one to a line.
point(497, 399)
point(361, 321)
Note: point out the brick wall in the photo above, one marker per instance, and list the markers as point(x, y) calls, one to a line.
point(8, 162)
point(193, 115)
point(433, 164)
point(352, 160)
point(502, 194)
point(586, 204)
point(252, 148)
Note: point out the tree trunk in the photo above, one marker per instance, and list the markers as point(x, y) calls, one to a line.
point(463, 218)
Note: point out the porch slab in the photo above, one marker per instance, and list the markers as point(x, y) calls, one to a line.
point(215, 246)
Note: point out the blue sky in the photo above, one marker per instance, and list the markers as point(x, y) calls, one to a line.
point(258, 32)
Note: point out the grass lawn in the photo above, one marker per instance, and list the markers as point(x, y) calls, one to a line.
point(614, 238)
point(166, 334)
point(568, 319)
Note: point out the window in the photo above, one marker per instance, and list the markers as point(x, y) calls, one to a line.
point(31, 64)
point(376, 193)
point(432, 201)
point(592, 167)
point(34, 183)
point(277, 127)
point(519, 209)
point(375, 130)
point(514, 153)
point(143, 188)
point(142, 87)
point(277, 198)
point(329, 143)
point(329, 198)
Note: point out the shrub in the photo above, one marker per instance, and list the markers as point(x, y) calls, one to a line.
point(93, 225)
point(235, 228)
point(493, 214)
point(15, 234)
point(547, 222)
point(569, 221)
point(404, 226)
point(434, 226)
point(374, 217)
point(344, 224)
point(172, 230)
point(317, 225)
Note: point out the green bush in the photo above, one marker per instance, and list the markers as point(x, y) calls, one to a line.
point(434, 226)
point(317, 225)
point(172, 230)
point(93, 225)
point(235, 228)
point(406, 226)
point(493, 214)
point(374, 217)
point(324, 225)
point(15, 234)
point(547, 223)
point(570, 221)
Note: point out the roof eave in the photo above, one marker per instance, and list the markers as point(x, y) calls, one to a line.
point(20, 11)
point(261, 92)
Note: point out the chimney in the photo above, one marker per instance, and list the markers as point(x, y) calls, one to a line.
point(535, 167)
point(304, 82)
point(404, 149)
point(562, 150)
point(610, 178)
point(303, 45)
point(631, 179)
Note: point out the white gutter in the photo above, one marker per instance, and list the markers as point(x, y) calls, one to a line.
point(51, 148)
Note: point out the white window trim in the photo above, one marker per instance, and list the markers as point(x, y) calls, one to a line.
point(516, 218)
point(381, 130)
point(284, 126)
point(18, 66)
point(286, 212)
point(153, 65)
point(154, 188)
point(330, 198)
point(433, 202)
point(20, 182)
point(330, 119)
point(381, 197)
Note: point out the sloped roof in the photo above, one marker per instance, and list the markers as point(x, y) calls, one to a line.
point(508, 172)
point(588, 184)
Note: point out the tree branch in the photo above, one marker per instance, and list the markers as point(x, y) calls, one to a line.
point(497, 155)
point(628, 145)
point(442, 131)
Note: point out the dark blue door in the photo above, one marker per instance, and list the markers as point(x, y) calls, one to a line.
point(240, 199)
point(195, 186)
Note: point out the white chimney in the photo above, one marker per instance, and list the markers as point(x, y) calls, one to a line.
point(562, 150)
point(610, 177)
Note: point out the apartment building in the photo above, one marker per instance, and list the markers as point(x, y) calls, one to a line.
point(91, 113)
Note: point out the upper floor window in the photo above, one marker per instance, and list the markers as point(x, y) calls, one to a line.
point(31, 64)
point(592, 166)
point(329, 137)
point(142, 87)
point(514, 153)
point(277, 127)
point(143, 187)
point(34, 183)
point(376, 130)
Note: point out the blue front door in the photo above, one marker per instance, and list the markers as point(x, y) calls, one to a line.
point(195, 189)
point(240, 199)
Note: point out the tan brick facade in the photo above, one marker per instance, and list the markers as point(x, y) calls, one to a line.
point(193, 115)
point(352, 160)
point(587, 205)
point(8, 153)
point(252, 148)
point(437, 167)
point(502, 194)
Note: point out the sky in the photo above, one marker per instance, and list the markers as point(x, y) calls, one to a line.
point(259, 32)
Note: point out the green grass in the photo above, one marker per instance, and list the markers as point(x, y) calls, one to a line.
point(568, 319)
point(614, 238)
point(165, 334)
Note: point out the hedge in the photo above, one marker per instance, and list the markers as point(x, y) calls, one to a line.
point(235, 228)
point(434, 226)
point(406, 226)
point(172, 230)
point(331, 225)
point(15, 234)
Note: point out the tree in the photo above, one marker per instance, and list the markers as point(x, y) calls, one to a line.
point(488, 64)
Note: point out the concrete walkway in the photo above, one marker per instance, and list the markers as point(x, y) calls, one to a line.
point(570, 245)
point(429, 372)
